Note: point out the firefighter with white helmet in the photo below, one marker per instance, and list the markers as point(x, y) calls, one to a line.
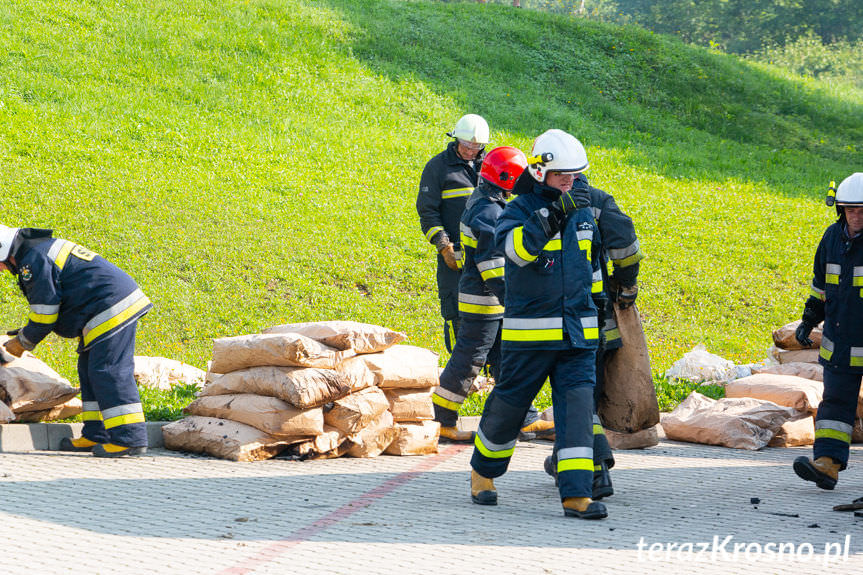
point(836, 298)
point(447, 181)
point(76, 293)
point(551, 324)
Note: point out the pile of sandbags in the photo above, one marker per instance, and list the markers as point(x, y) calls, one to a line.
point(31, 391)
point(312, 390)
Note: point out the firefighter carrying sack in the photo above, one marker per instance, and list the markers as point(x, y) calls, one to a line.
point(628, 400)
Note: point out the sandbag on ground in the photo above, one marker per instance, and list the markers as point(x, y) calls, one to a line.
point(415, 438)
point(638, 440)
point(404, 366)
point(795, 433)
point(331, 443)
point(354, 412)
point(794, 355)
point(342, 335)
point(814, 371)
point(303, 387)
point(65, 410)
point(356, 373)
point(6, 414)
point(28, 384)
point(221, 438)
point(269, 414)
point(742, 423)
point(410, 405)
point(784, 338)
point(163, 373)
point(281, 349)
point(786, 390)
point(372, 440)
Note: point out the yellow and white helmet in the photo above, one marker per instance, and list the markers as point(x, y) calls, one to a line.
point(7, 237)
point(850, 191)
point(556, 151)
point(471, 128)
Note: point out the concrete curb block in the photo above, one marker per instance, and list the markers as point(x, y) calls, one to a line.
point(47, 436)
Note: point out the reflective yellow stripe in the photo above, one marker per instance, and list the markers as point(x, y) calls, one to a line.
point(492, 273)
point(825, 353)
point(858, 281)
point(832, 278)
point(489, 453)
point(124, 419)
point(612, 334)
point(832, 434)
point(531, 334)
point(42, 318)
point(445, 403)
point(61, 258)
point(518, 244)
point(575, 465)
point(598, 430)
point(553, 246)
point(856, 361)
point(468, 241)
point(456, 193)
point(596, 287)
point(591, 333)
point(633, 259)
point(91, 416)
point(478, 308)
point(586, 246)
point(597, 467)
point(118, 319)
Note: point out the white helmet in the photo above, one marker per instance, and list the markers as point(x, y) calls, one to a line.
point(556, 151)
point(471, 128)
point(7, 236)
point(850, 191)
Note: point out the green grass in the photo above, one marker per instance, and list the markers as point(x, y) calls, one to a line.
point(254, 162)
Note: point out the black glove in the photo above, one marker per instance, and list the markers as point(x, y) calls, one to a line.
point(13, 332)
point(551, 219)
point(571, 201)
point(802, 333)
point(626, 296)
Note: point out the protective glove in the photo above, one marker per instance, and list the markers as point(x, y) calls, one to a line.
point(802, 333)
point(13, 332)
point(572, 200)
point(626, 296)
point(448, 254)
point(14, 347)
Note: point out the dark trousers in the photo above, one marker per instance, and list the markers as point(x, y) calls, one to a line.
point(447, 289)
point(112, 410)
point(834, 421)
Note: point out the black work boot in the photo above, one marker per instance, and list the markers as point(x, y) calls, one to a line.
point(482, 491)
point(602, 482)
point(584, 508)
point(824, 472)
point(550, 466)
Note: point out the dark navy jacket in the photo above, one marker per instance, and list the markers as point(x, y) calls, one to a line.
point(550, 284)
point(74, 293)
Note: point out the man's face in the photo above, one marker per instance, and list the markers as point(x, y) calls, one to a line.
point(560, 181)
point(468, 150)
point(854, 217)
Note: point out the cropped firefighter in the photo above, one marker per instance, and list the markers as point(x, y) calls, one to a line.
point(481, 296)
point(447, 181)
point(620, 246)
point(551, 323)
point(76, 293)
point(836, 297)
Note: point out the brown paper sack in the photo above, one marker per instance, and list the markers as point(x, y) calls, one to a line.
point(330, 444)
point(786, 390)
point(302, 387)
point(742, 423)
point(374, 438)
point(415, 438)
point(354, 412)
point(269, 414)
point(356, 373)
point(6, 414)
point(784, 338)
point(404, 366)
point(221, 438)
point(63, 411)
point(411, 405)
point(28, 384)
point(814, 371)
point(163, 373)
point(360, 337)
point(638, 440)
point(282, 349)
point(795, 433)
point(795, 355)
point(628, 400)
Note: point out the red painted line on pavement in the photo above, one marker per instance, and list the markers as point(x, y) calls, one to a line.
point(305, 533)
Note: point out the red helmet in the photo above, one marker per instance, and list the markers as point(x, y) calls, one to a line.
point(502, 166)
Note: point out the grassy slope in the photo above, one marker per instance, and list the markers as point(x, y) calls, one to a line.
point(256, 162)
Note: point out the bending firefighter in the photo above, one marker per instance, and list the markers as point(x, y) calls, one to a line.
point(551, 324)
point(837, 299)
point(481, 296)
point(447, 181)
point(77, 293)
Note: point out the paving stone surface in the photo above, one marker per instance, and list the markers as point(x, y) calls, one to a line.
point(674, 507)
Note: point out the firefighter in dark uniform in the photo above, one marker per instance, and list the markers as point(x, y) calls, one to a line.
point(78, 294)
point(447, 181)
point(551, 324)
point(481, 296)
point(836, 298)
point(620, 246)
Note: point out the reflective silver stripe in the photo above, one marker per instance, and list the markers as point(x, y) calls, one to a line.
point(834, 269)
point(858, 271)
point(494, 446)
point(534, 323)
point(491, 264)
point(817, 290)
point(610, 324)
point(597, 276)
point(510, 250)
point(622, 253)
point(835, 425)
point(90, 406)
point(44, 309)
point(433, 232)
point(575, 453)
point(465, 229)
point(478, 299)
point(555, 237)
point(589, 321)
point(446, 394)
point(115, 309)
point(596, 212)
point(584, 235)
point(457, 254)
point(122, 410)
point(55, 248)
point(596, 420)
point(826, 343)
point(857, 352)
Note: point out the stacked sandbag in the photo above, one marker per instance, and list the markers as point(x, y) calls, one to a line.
point(164, 373)
point(314, 391)
point(788, 350)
